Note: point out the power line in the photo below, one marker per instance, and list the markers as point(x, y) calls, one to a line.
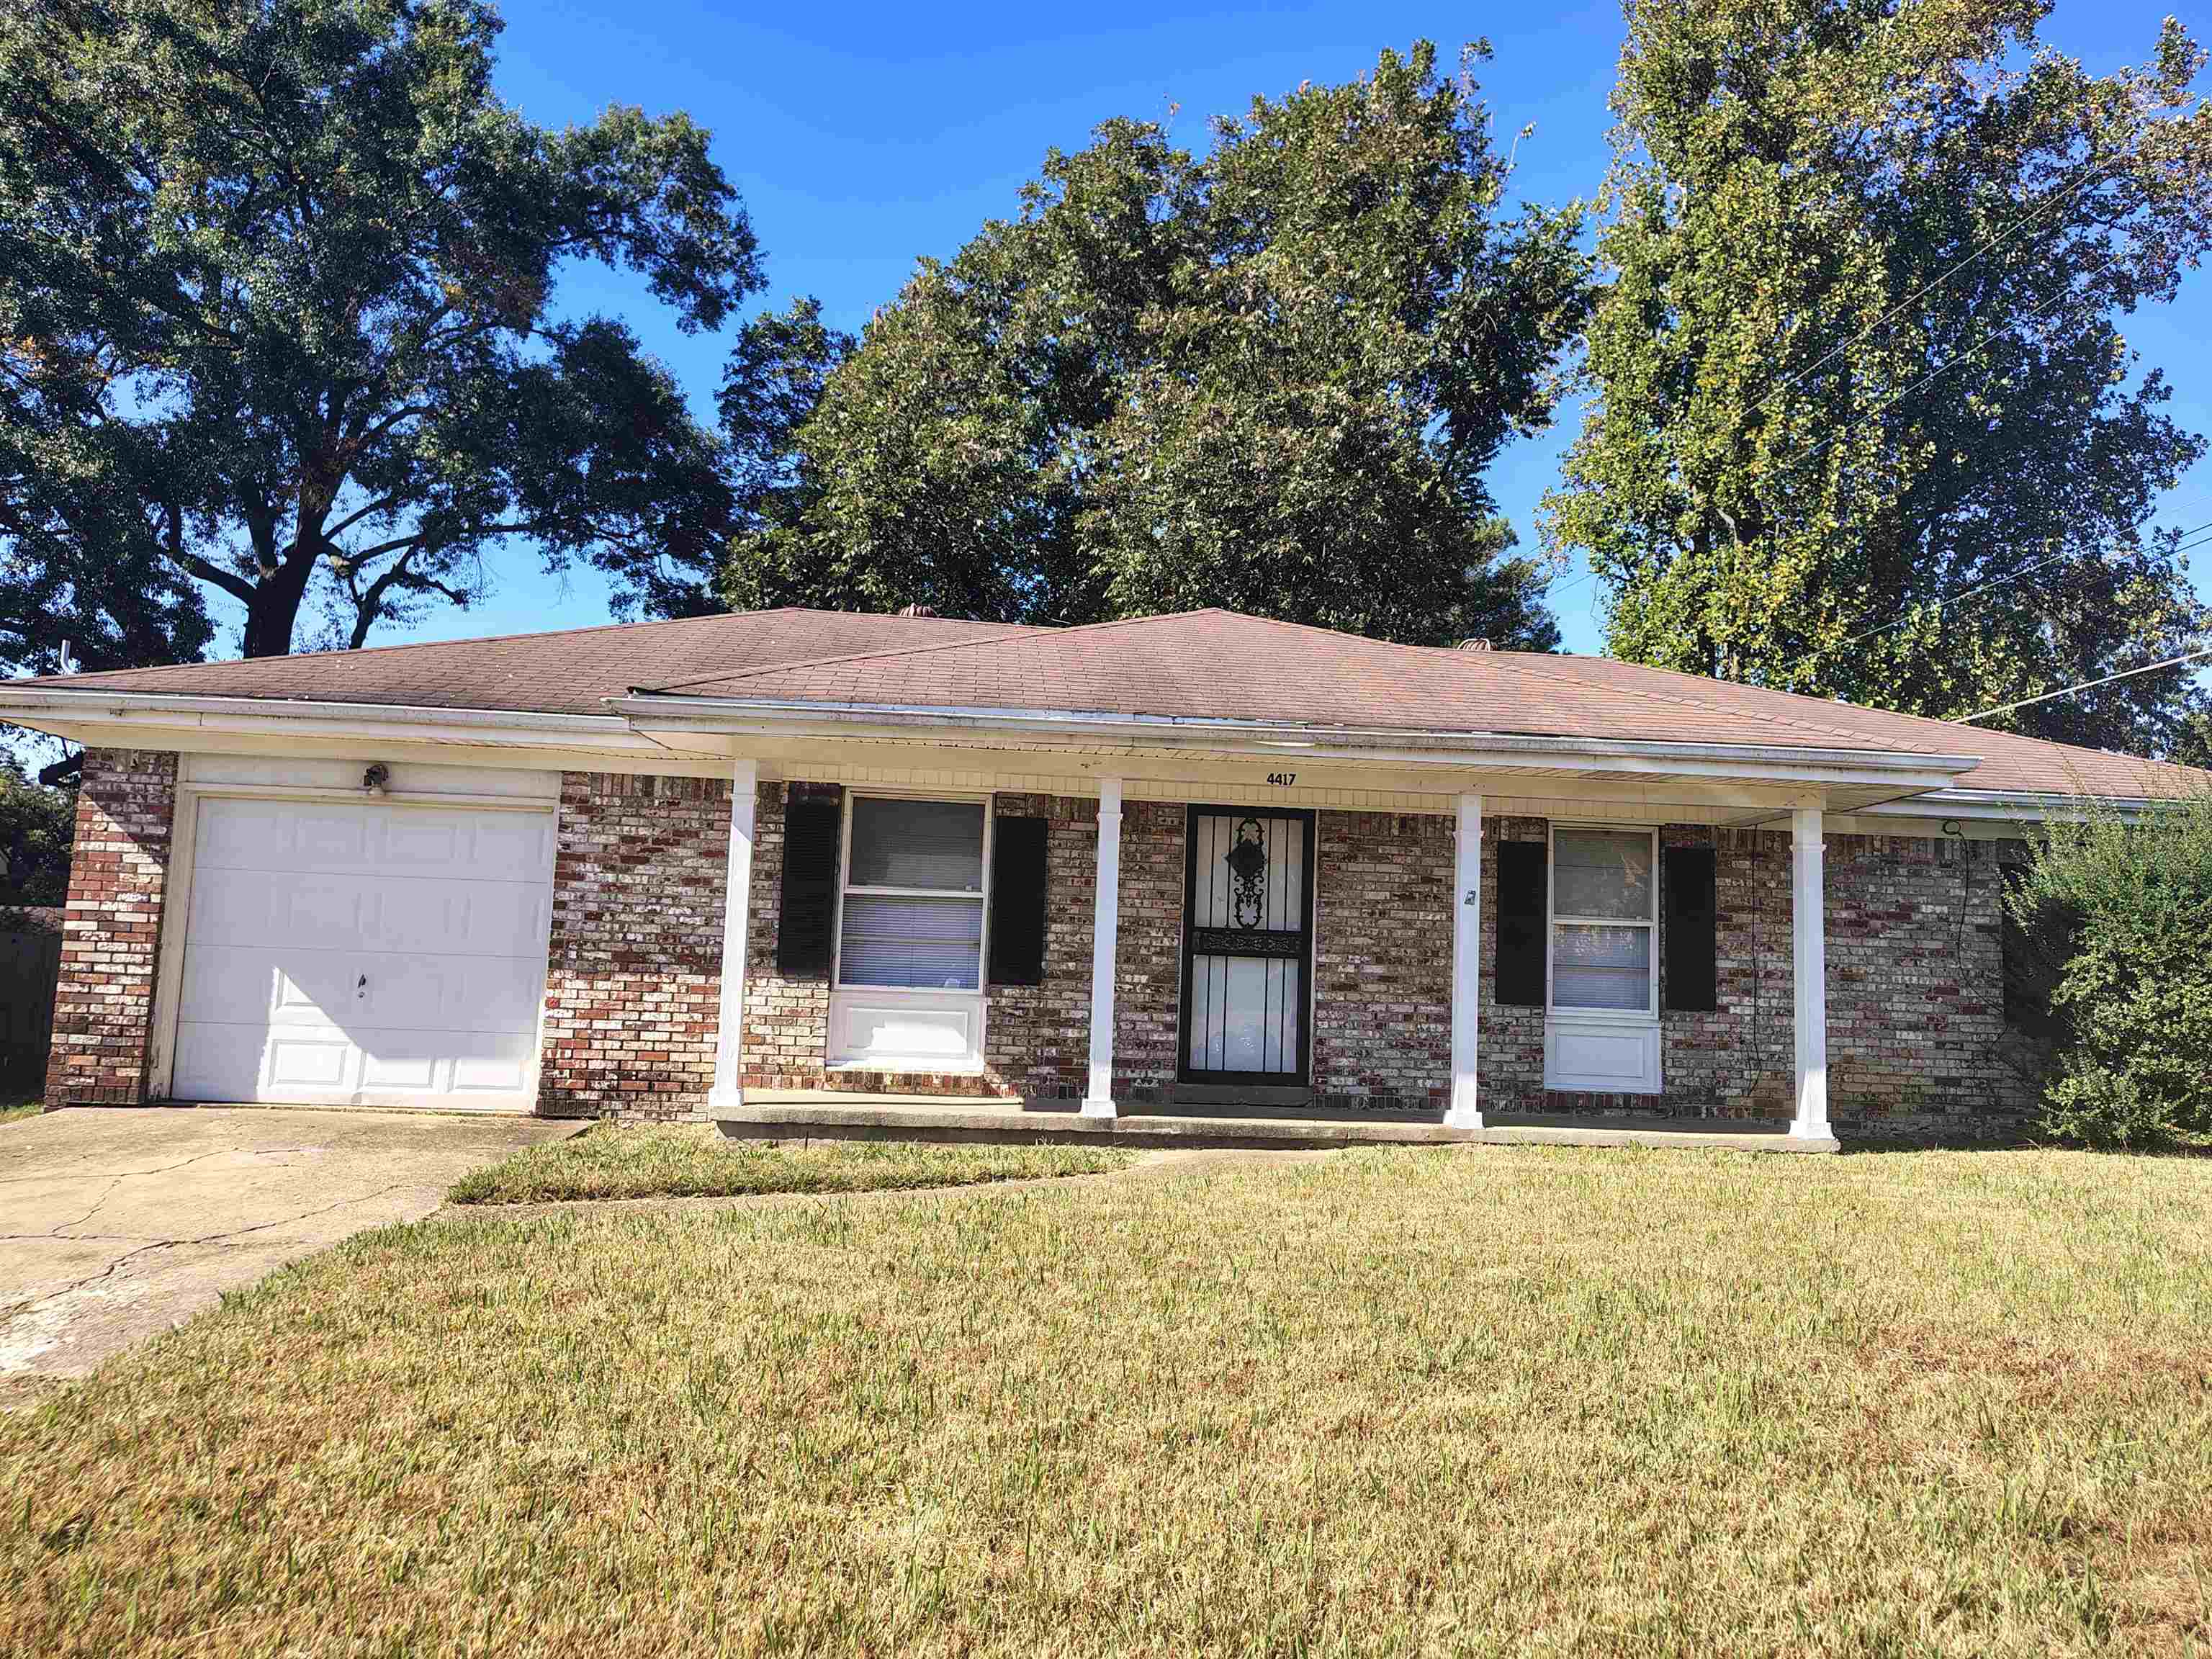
point(2182, 546)
point(2088, 685)
point(2088, 171)
point(1941, 368)
point(1946, 366)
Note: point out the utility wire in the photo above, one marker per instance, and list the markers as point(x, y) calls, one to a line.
point(1948, 365)
point(2183, 546)
point(2088, 685)
point(2088, 171)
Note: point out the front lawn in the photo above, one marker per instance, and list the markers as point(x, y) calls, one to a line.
point(1391, 1401)
point(695, 1160)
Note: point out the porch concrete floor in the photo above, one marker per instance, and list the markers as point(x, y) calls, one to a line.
point(780, 1114)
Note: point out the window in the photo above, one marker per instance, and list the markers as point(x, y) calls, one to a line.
point(1604, 918)
point(911, 910)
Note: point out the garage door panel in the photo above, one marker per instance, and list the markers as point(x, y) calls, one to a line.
point(323, 989)
point(309, 1059)
point(466, 993)
point(453, 917)
point(283, 835)
point(339, 951)
point(272, 910)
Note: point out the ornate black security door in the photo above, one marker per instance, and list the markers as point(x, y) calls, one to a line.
point(1246, 945)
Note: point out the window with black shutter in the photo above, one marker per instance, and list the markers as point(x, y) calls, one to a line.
point(1517, 978)
point(1690, 927)
point(1017, 901)
point(807, 921)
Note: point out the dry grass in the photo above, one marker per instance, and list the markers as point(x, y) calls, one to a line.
point(695, 1160)
point(12, 1110)
point(1470, 1400)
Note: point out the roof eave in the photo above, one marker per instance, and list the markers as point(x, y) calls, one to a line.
point(2013, 804)
point(1400, 747)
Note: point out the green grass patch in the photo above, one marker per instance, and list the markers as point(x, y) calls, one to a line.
point(695, 1160)
point(1397, 1401)
point(12, 1110)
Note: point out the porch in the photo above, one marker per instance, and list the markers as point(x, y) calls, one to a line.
point(789, 1113)
point(1374, 1035)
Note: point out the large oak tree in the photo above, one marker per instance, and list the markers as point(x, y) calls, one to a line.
point(1861, 419)
point(274, 319)
point(1270, 377)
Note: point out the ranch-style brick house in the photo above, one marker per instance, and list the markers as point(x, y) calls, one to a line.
point(799, 866)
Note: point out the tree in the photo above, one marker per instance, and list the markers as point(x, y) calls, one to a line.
point(1270, 379)
point(36, 827)
point(2135, 998)
point(1861, 422)
point(274, 292)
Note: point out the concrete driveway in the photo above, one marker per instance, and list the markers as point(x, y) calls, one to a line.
point(116, 1225)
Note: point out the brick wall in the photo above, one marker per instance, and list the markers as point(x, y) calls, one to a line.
point(1148, 952)
point(1382, 959)
point(112, 928)
point(786, 1017)
point(1036, 1038)
point(635, 970)
point(1510, 1049)
point(1916, 1039)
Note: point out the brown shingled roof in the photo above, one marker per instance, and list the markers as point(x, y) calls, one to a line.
point(572, 671)
point(1201, 665)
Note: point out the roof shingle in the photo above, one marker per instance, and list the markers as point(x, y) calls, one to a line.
point(1202, 665)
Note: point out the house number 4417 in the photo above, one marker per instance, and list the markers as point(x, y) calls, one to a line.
point(1285, 779)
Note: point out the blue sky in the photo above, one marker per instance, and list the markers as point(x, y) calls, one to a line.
point(863, 136)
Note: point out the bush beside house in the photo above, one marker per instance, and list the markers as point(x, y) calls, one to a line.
point(2134, 1002)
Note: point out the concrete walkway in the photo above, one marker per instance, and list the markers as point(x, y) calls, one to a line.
point(117, 1223)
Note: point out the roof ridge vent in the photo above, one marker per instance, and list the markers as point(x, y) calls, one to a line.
point(917, 610)
point(1475, 645)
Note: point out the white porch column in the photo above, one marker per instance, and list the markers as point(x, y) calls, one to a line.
point(1466, 1109)
point(1105, 931)
point(728, 1091)
point(1809, 934)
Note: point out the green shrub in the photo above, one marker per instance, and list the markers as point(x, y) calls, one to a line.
point(2134, 1001)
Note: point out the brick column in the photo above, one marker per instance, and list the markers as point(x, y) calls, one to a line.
point(111, 930)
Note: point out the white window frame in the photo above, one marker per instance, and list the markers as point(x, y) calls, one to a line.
point(1553, 920)
point(951, 1009)
point(845, 885)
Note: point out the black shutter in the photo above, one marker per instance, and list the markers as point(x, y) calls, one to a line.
point(1017, 901)
point(809, 886)
point(1518, 978)
point(1690, 922)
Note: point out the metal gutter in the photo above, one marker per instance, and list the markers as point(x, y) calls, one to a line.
point(71, 703)
point(2008, 803)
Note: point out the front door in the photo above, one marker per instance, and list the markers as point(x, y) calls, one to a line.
point(1246, 945)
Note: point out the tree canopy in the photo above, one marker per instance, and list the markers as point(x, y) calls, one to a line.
point(274, 321)
point(1270, 378)
point(1862, 422)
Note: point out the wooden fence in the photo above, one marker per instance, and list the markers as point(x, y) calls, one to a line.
point(30, 963)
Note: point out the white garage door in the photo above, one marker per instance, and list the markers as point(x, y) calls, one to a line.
point(363, 953)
